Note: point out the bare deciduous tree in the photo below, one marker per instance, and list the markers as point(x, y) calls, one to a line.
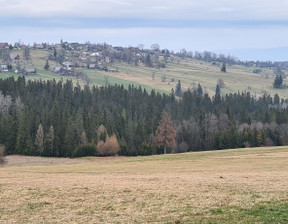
point(5, 103)
point(183, 147)
point(155, 47)
point(165, 133)
point(221, 83)
point(110, 147)
point(39, 140)
point(83, 139)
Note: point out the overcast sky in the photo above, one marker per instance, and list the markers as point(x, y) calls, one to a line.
point(216, 25)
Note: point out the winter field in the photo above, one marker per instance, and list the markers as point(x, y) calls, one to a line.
point(231, 186)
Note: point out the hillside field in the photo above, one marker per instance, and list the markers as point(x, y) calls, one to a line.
point(189, 71)
point(231, 186)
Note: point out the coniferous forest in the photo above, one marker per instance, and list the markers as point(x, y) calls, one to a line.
point(59, 119)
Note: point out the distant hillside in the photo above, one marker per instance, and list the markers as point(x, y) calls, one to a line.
point(100, 69)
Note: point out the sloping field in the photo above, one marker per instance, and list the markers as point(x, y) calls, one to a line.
point(189, 71)
point(232, 186)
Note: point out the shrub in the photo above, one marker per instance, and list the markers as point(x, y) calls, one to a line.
point(146, 149)
point(2, 151)
point(85, 150)
point(183, 147)
point(108, 148)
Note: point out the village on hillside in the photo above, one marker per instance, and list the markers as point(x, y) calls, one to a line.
point(68, 56)
point(76, 59)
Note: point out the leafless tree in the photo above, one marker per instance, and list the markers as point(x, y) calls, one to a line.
point(155, 47)
point(5, 103)
point(39, 140)
point(221, 83)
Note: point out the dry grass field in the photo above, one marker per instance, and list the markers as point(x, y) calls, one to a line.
point(231, 186)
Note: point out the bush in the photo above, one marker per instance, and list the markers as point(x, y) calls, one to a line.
point(182, 147)
point(146, 149)
point(2, 151)
point(85, 150)
point(108, 148)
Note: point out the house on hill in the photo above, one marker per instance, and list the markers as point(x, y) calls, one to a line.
point(29, 71)
point(4, 45)
point(39, 46)
point(57, 70)
point(3, 68)
point(76, 46)
point(15, 58)
point(92, 66)
point(68, 65)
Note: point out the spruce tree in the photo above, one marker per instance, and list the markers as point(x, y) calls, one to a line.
point(178, 91)
point(47, 66)
point(148, 61)
point(49, 142)
point(223, 67)
point(199, 90)
point(24, 144)
point(218, 90)
point(278, 82)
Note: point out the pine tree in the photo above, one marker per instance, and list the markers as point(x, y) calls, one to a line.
point(148, 61)
point(199, 90)
point(218, 90)
point(39, 140)
point(55, 53)
point(178, 91)
point(276, 99)
point(223, 67)
point(165, 133)
point(49, 142)
point(47, 66)
point(70, 139)
point(278, 82)
point(24, 144)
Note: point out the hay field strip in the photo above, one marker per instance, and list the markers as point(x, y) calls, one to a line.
point(230, 186)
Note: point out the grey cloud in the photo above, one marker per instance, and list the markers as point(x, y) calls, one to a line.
point(163, 9)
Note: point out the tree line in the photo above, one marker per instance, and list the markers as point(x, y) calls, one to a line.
point(59, 119)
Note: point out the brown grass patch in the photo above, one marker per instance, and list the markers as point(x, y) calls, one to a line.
point(157, 189)
point(18, 160)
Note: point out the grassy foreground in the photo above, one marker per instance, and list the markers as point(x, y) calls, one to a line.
point(232, 186)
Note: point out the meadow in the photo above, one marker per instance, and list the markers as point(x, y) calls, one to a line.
point(230, 186)
point(189, 71)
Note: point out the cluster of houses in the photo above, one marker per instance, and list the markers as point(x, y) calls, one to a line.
point(79, 58)
point(91, 56)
